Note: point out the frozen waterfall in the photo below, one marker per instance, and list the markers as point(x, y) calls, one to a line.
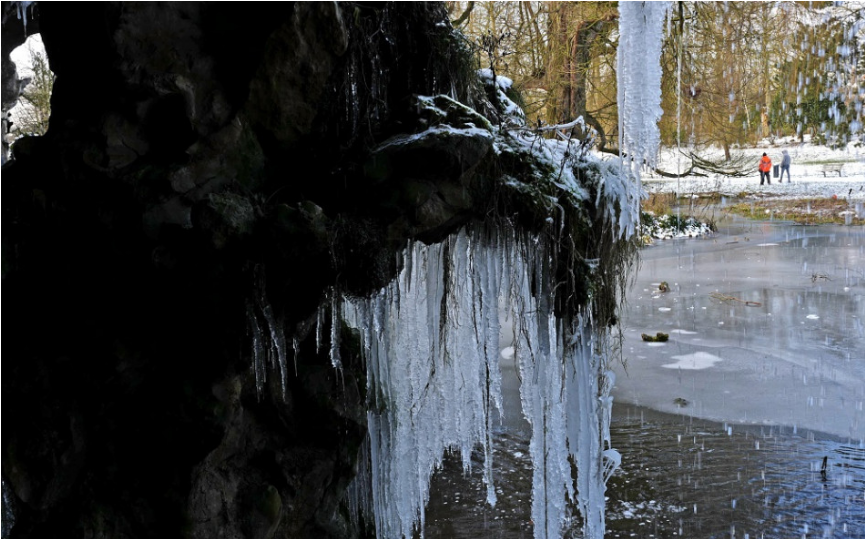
point(431, 345)
point(431, 341)
point(431, 338)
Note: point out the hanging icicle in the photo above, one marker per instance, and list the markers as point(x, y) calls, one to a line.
point(641, 27)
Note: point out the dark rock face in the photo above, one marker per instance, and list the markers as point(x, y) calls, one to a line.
point(207, 163)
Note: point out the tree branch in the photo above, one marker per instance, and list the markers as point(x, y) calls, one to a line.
point(462, 18)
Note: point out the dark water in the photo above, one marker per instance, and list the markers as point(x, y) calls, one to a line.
point(680, 477)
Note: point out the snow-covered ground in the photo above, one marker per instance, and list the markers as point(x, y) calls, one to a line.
point(806, 171)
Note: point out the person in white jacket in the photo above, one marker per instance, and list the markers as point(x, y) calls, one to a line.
point(785, 165)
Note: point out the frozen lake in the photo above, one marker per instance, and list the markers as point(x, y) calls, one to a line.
point(765, 324)
point(769, 388)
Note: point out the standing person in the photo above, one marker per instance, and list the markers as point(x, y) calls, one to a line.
point(785, 165)
point(765, 169)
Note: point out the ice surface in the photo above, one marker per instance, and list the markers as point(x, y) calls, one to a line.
point(696, 361)
point(794, 356)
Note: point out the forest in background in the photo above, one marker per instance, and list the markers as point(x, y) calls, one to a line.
point(733, 73)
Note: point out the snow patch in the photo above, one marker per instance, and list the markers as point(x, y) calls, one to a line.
point(693, 362)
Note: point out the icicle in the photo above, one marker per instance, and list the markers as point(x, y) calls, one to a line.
point(319, 328)
point(8, 513)
point(585, 427)
point(268, 338)
point(279, 354)
point(335, 325)
point(641, 27)
point(639, 94)
point(359, 493)
point(21, 8)
point(433, 372)
point(259, 366)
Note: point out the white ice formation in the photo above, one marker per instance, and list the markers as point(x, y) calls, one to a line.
point(641, 28)
point(431, 341)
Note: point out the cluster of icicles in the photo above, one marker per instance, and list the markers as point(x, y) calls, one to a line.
point(431, 342)
point(432, 345)
point(432, 348)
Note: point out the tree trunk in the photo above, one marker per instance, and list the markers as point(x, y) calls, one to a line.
point(571, 53)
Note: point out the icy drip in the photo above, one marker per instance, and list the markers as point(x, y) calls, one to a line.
point(570, 417)
point(8, 513)
point(641, 28)
point(433, 382)
point(335, 358)
point(21, 9)
point(269, 345)
point(588, 384)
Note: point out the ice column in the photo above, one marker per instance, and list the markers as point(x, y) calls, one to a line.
point(641, 29)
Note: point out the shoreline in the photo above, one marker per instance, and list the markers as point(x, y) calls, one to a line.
point(850, 188)
point(627, 410)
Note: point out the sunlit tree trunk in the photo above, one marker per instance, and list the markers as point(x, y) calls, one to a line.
point(574, 30)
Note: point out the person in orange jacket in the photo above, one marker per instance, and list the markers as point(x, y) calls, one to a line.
point(765, 169)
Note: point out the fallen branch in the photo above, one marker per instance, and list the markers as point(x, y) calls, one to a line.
point(722, 297)
point(664, 174)
point(738, 166)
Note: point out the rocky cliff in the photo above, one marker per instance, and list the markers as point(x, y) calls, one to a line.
point(212, 172)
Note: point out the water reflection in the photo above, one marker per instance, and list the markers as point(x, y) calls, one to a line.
point(680, 477)
point(689, 478)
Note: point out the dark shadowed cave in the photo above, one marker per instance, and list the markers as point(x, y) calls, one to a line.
point(208, 164)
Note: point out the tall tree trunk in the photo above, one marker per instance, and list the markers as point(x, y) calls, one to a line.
point(574, 31)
